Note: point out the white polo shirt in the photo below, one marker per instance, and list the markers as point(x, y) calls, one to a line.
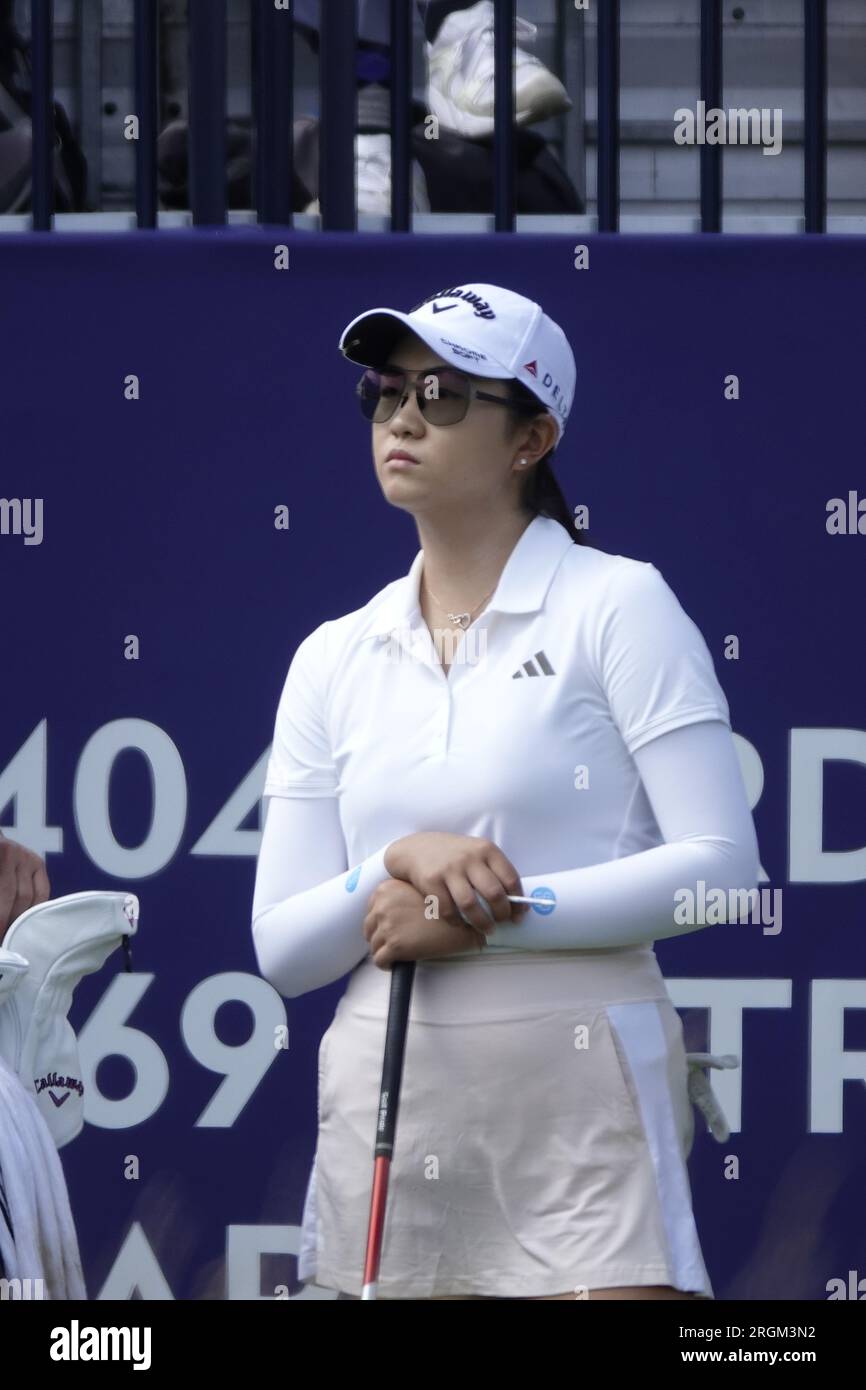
point(579, 659)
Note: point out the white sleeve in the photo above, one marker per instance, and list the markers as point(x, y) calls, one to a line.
point(300, 762)
point(308, 909)
point(651, 660)
point(695, 787)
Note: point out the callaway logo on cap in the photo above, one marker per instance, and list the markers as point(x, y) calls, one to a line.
point(485, 330)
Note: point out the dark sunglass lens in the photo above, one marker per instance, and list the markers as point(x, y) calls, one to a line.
point(378, 393)
point(445, 396)
point(367, 391)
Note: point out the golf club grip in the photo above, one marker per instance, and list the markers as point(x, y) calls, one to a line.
point(402, 976)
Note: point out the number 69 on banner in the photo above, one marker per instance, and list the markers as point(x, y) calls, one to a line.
point(241, 1066)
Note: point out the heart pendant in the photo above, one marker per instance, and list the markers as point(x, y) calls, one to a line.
point(462, 619)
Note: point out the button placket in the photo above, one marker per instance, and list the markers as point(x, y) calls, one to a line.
point(445, 715)
point(460, 670)
point(416, 645)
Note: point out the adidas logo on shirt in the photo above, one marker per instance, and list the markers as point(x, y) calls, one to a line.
point(529, 668)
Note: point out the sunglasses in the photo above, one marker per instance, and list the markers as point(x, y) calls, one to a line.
point(443, 394)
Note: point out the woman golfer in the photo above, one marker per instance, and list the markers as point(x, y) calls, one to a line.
point(521, 714)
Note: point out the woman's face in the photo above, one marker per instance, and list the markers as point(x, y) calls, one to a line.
point(464, 465)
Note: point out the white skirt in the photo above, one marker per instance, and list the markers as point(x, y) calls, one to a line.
point(542, 1134)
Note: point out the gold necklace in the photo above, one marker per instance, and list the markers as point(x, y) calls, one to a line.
point(460, 619)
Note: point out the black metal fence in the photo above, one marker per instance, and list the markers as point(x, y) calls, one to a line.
point(271, 78)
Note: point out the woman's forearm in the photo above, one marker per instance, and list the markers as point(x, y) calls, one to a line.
point(627, 902)
point(693, 782)
point(308, 908)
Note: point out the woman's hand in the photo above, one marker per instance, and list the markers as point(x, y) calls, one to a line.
point(453, 868)
point(23, 881)
point(397, 928)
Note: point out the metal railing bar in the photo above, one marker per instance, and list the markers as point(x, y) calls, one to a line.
point(338, 102)
point(503, 116)
point(89, 60)
point(207, 111)
point(145, 38)
point(711, 81)
point(401, 100)
point(607, 195)
point(273, 65)
point(42, 114)
point(815, 114)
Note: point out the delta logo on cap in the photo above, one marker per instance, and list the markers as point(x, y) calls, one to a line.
point(555, 397)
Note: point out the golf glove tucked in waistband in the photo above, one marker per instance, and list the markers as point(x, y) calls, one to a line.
point(701, 1092)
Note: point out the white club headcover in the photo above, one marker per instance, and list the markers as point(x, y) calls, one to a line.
point(701, 1092)
point(12, 967)
point(44, 954)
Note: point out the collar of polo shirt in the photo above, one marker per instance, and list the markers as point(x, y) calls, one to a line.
point(522, 588)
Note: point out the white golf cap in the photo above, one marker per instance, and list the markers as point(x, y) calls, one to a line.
point(485, 330)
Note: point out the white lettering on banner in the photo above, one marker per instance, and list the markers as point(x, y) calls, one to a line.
point(245, 1246)
point(23, 782)
point(224, 836)
point(136, 1268)
point(808, 861)
point(242, 1066)
point(829, 1064)
point(24, 778)
point(107, 1032)
point(168, 790)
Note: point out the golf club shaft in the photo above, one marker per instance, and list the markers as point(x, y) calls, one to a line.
point(402, 976)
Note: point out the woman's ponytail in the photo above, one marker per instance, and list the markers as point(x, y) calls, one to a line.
point(541, 492)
